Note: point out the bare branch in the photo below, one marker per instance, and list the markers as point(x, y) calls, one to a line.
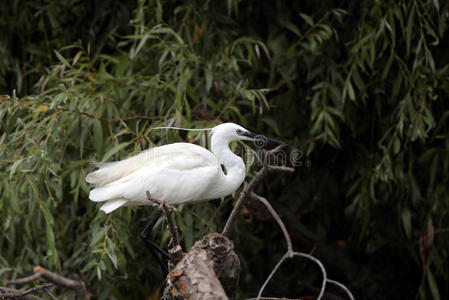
point(78, 286)
point(327, 295)
point(276, 267)
point(50, 294)
point(243, 197)
point(242, 200)
point(183, 275)
point(289, 255)
point(281, 169)
point(23, 280)
point(277, 218)
point(5, 293)
point(8, 293)
point(343, 287)
point(32, 290)
point(39, 272)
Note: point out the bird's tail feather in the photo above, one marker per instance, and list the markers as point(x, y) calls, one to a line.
point(112, 205)
point(109, 192)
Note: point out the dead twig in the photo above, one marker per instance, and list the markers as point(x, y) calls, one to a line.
point(32, 290)
point(290, 255)
point(243, 197)
point(280, 169)
point(248, 193)
point(78, 286)
point(8, 293)
point(23, 280)
point(343, 287)
point(242, 200)
point(277, 218)
point(46, 291)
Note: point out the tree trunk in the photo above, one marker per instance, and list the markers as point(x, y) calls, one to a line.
point(209, 271)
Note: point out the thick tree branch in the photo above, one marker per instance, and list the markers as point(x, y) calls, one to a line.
point(210, 268)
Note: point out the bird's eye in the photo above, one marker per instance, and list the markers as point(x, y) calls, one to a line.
point(239, 132)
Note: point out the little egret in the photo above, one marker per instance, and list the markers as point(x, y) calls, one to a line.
point(174, 173)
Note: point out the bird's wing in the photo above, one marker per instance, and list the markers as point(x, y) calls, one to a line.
point(178, 156)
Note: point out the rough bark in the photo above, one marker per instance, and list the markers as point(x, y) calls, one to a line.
point(209, 271)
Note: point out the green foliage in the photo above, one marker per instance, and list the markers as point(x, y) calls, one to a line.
point(358, 86)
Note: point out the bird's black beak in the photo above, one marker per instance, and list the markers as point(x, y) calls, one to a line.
point(261, 139)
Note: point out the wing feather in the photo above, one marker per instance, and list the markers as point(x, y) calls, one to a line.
point(176, 156)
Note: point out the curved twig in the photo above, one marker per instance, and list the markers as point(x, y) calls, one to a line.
point(277, 218)
point(290, 255)
point(242, 200)
point(243, 197)
point(343, 287)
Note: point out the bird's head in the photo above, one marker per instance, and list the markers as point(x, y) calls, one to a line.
point(229, 132)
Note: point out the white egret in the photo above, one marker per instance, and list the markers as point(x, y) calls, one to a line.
point(174, 173)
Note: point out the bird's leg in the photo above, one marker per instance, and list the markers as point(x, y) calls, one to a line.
point(168, 210)
point(175, 253)
point(151, 245)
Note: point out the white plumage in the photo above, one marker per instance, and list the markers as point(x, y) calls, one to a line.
point(174, 173)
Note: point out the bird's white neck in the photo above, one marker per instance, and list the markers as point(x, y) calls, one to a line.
point(235, 168)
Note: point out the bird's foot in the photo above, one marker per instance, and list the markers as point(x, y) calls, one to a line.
point(161, 204)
